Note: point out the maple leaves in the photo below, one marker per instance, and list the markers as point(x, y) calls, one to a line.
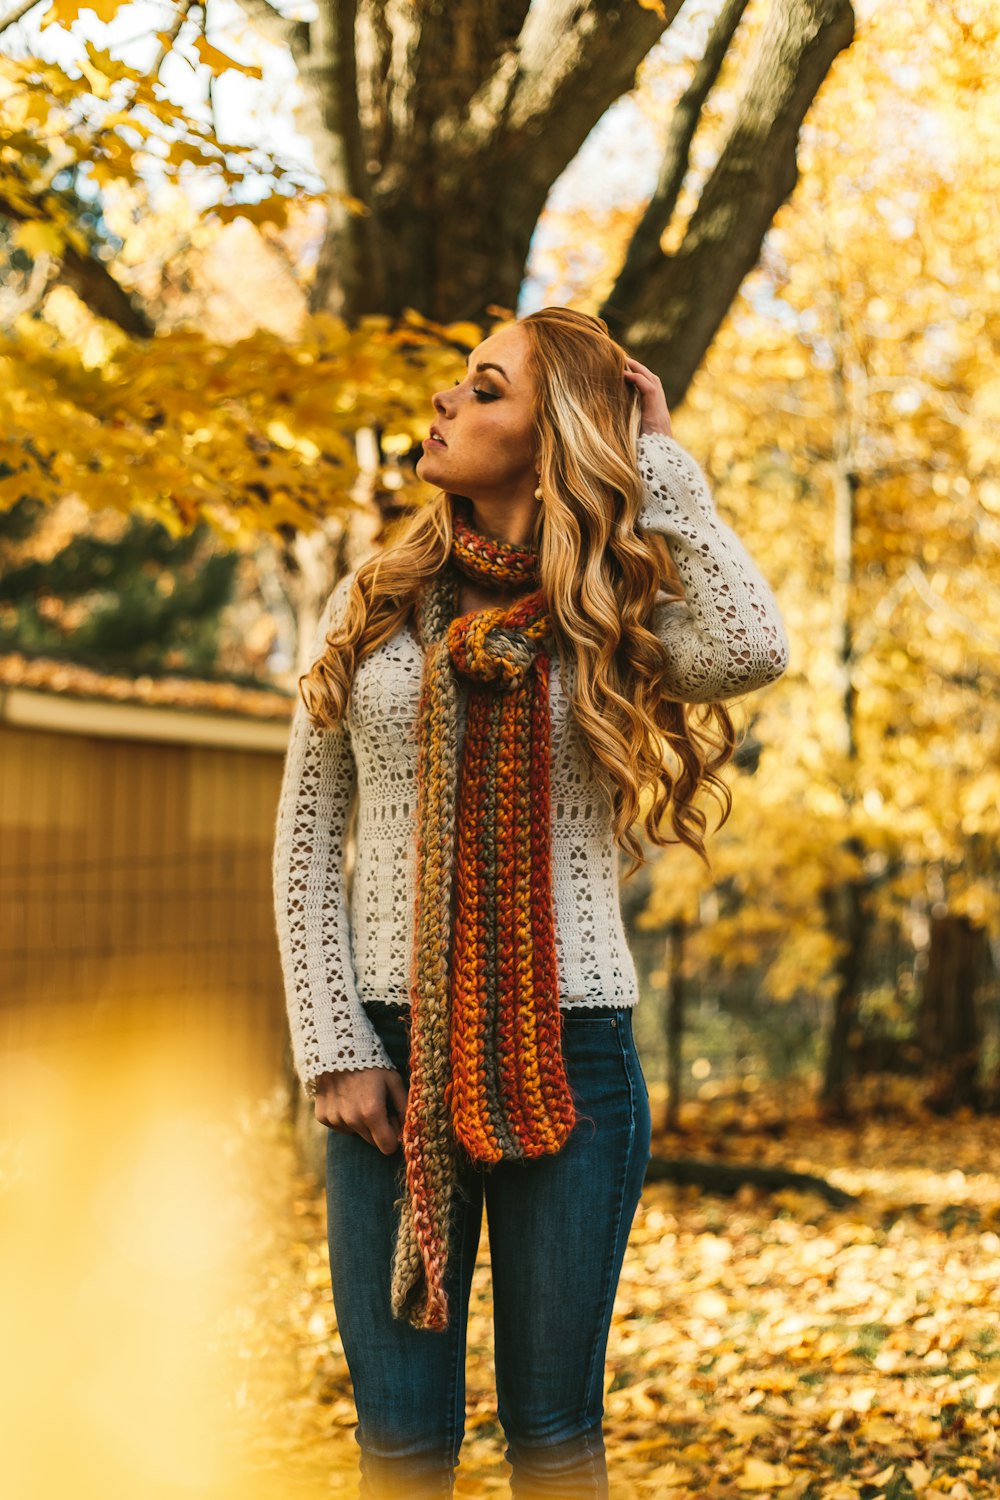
point(250, 437)
point(108, 123)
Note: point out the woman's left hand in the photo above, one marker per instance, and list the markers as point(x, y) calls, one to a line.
point(655, 416)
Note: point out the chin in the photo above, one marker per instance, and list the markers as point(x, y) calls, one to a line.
point(428, 472)
point(424, 461)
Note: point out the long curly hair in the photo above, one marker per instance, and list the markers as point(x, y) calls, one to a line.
point(601, 577)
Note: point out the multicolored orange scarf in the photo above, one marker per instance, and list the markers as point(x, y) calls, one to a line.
point(486, 1065)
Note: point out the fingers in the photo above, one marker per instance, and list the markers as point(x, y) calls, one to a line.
point(653, 402)
point(635, 369)
point(371, 1105)
point(385, 1136)
point(398, 1093)
point(368, 1132)
point(344, 1124)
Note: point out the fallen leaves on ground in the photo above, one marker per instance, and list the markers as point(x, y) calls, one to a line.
point(760, 1345)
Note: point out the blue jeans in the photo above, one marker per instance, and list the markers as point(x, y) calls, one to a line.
point(558, 1228)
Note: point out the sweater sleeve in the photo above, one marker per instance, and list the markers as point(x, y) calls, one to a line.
point(329, 1028)
point(726, 636)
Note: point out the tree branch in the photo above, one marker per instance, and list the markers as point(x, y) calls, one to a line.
point(936, 602)
point(92, 283)
point(18, 13)
point(485, 164)
point(573, 62)
point(350, 260)
point(277, 28)
point(671, 318)
point(644, 249)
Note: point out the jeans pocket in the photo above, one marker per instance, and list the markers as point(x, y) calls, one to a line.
point(592, 1047)
point(589, 1035)
point(574, 1020)
point(393, 1028)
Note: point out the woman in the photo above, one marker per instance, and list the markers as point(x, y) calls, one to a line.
point(492, 693)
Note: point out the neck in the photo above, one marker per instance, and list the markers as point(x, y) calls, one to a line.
point(501, 523)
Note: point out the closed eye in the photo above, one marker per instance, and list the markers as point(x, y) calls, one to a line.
point(483, 395)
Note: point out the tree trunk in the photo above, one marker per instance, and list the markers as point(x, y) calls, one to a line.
point(844, 905)
point(949, 1024)
point(441, 130)
point(845, 915)
point(669, 313)
point(675, 1022)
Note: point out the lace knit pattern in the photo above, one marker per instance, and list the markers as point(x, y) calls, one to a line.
point(345, 939)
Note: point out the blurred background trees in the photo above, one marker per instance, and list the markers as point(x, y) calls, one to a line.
point(224, 322)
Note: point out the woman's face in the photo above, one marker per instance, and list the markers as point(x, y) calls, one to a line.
point(486, 421)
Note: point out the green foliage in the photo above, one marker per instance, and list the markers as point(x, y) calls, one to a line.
point(140, 601)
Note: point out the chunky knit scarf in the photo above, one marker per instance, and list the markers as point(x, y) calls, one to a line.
point(486, 1065)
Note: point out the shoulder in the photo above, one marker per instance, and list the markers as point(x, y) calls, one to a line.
point(337, 600)
point(661, 453)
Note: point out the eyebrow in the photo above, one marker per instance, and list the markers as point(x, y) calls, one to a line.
point(503, 372)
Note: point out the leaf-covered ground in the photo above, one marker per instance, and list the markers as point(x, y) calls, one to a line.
point(761, 1345)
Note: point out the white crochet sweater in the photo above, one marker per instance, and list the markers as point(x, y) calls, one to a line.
point(343, 941)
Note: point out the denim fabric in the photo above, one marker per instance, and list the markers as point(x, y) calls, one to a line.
point(558, 1227)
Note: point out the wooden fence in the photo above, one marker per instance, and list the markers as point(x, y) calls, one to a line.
point(135, 885)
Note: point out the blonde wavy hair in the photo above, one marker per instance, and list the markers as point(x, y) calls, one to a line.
point(600, 576)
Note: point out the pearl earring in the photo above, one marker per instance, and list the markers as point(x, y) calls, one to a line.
point(538, 492)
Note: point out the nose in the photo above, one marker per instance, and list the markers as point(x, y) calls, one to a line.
point(448, 399)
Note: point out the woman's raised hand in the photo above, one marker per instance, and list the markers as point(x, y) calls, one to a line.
point(655, 416)
point(369, 1102)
